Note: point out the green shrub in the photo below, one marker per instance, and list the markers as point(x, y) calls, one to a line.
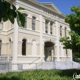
point(39, 75)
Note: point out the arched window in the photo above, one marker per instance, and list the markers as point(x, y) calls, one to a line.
point(0, 46)
point(9, 45)
point(24, 47)
point(34, 47)
point(10, 42)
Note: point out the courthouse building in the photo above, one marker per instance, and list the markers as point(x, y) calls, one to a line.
point(37, 41)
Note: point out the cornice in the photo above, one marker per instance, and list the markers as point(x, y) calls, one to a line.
point(37, 11)
point(52, 5)
point(27, 31)
point(40, 4)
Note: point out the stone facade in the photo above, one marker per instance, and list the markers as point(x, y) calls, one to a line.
point(37, 41)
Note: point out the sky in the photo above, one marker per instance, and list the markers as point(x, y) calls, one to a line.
point(63, 5)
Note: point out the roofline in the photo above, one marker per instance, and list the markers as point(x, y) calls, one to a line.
point(39, 4)
point(50, 3)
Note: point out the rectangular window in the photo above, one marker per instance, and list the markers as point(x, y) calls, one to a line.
point(1, 25)
point(25, 25)
point(60, 30)
point(51, 27)
point(33, 23)
point(46, 26)
point(65, 32)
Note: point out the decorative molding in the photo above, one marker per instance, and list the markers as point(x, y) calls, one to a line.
point(38, 11)
point(26, 31)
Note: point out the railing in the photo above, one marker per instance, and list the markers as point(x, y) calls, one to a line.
point(5, 57)
point(7, 66)
point(35, 60)
point(65, 58)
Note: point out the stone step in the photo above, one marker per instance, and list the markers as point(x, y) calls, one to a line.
point(59, 65)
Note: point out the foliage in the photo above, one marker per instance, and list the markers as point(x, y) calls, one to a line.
point(73, 20)
point(9, 12)
point(40, 75)
point(76, 57)
point(67, 42)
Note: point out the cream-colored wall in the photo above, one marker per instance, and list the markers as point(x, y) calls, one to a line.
point(20, 48)
point(29, 38)
point(37, 25)
point(7, 25)
point(4, 36)
point(54, 29)
point(43, 27)
point(29, 22)
point(38, 49)
point(29, 49)
point(63, 32)
point(55, 51)
point(4, 44)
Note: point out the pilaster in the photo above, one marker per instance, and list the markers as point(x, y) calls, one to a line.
point(49, 27)
point(15, 46)
point(29, 22)
point(20, 48)
point(41, 40)
point(57, 42)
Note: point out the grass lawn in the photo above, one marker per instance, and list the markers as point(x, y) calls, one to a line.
point(40, 75)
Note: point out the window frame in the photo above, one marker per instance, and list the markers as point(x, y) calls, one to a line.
point(33, 22)
point(46, 26)
point(51, 27)
point(60, 30)
point(24, 41)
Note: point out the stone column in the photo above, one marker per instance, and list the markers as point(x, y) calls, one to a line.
point(53, 28)
point(29, 22)
point(38, 49)
point(15, 46)
point(44, 26)
point(52, 54)
point(43, 51)
point(41, 39)
point(4, 48)
point(57, 42)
